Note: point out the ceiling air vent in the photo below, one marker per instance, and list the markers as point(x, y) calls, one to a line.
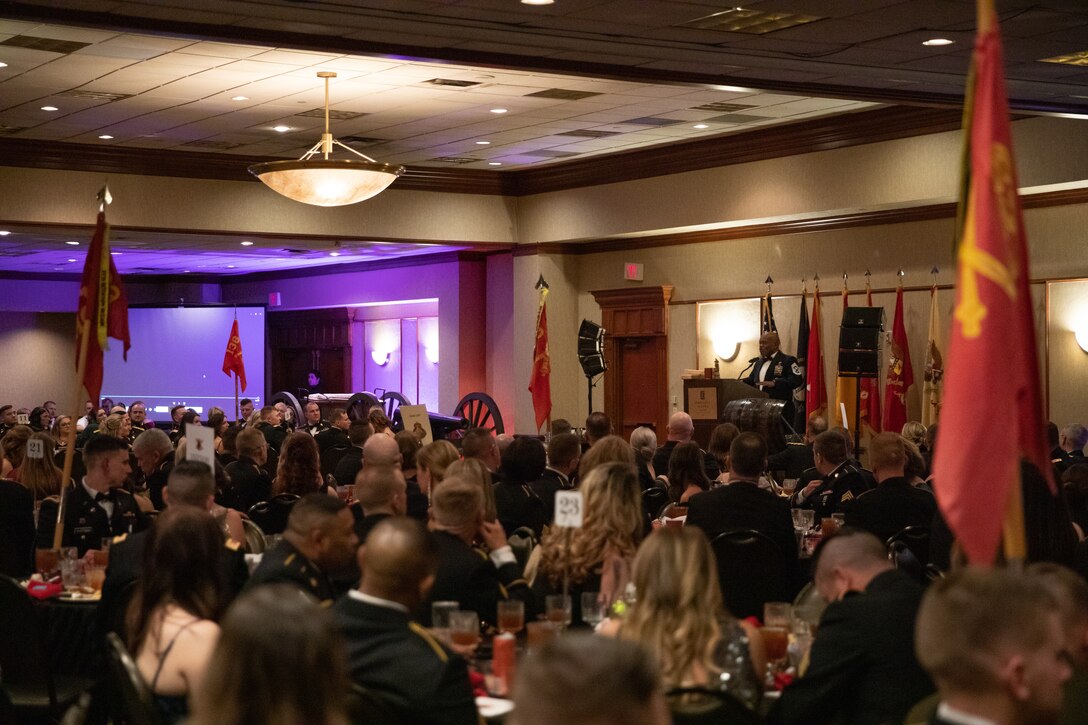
point(723, 107)
point(95, 95)
point(50, 45)
point(207, 143)
point(562, 94)
point(455, 159)
point(746, 20)
point(361, 140)
point(334, 114)
point(650, 121)
point(735, 118)
point(295, 251)
point(452, 83)
point(587, 133)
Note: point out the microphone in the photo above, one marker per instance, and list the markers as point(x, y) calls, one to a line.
point(751, 362)
point(754, 360)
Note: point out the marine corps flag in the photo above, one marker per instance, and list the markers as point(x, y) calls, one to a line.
point(989, 422)
point(232, 358)
point(815, 385)
point(900, 371)
point(103, 306)
point(766, 314)
point(934, 373)
point(540, 384)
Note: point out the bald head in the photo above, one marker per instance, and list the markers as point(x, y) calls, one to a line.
point(381, 490)
point(398, 561)
point(769, 343)
point(680, 427)
point(458, 504)
point(381, 450)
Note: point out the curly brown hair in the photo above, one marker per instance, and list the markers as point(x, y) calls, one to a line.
point(299, 468)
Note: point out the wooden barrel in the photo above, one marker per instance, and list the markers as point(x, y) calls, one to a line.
point(759, 415)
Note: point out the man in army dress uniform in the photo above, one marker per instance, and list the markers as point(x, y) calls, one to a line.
point(137, 416)
point(842, 480)
point(96, 508)
point(320, 538)
point(388, 653)
point(314, 423)
point(776, 373)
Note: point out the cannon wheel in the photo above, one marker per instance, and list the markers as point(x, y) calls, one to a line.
point(481, 411)
point(391, 402)
point(292, 404)
point(360, 404)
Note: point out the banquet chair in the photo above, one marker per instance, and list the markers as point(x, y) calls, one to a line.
point(330, 457)
point(367, 706)
point(131, 700)
point(255, 543)
point(915, 538)
point(653, 500)
point(28, 680)
point(271, 515)
point(703, 706)
point(752, 570)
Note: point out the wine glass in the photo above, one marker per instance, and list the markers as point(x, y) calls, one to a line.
point(511, 616)
point(776, 632)
point(557, 609)
point(592, 608)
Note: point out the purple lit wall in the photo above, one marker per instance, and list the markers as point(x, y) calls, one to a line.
point(177, 358)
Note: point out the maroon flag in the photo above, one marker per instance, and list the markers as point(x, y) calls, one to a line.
point(232, 358)
point(900, 372)
point(103, 308)
point(540, 384)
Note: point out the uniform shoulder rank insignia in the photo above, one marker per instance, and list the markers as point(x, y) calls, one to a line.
point(289, 559)
point(778, 369)
point(846, 497)
point(796, 369)
point(232, 544)
point(119, 539)
point(430, 640)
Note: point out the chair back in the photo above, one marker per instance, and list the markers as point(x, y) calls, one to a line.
point(23, 658)
point(133, 704)
point(255, 543)
point(654, 499)
point(271, 515)
point(752, 570)
point(905, 560)
point(272, 462)
point(330, 457)
point(915, 538)
point(700, 705)
point(367, 706)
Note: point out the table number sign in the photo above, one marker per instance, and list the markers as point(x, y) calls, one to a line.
point(568, 509)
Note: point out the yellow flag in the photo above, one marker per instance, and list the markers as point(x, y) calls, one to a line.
point(934, 372)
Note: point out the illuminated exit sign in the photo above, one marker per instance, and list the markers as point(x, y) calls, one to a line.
point(632, 271)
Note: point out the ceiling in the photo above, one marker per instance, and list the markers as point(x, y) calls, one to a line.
point(578, 78)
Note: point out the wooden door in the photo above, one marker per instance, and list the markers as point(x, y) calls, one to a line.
point(636, 386)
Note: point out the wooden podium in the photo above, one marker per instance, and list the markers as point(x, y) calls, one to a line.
point(705, 401)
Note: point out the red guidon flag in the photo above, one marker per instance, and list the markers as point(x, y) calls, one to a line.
point(815, 386)
point(540, 384)
point(989, 420)
point(232, 358)
point(900, 371)
point(103, 307)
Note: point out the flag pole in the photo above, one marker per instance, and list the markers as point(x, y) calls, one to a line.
point(237, 408)
point(83, 329)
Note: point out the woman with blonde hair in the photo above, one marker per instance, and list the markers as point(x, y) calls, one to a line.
point(62, 427)
point(679, 618)
point(41, 475)
point(14, 447)
point(596, 557)
point(915, 432)
point(610, 449)
point(117, 425)
point(432, 461)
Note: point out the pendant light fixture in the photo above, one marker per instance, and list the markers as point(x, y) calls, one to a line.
point(325, 181)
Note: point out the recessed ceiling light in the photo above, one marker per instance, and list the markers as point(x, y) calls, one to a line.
point(240, 98)
point(105, 137)
point(498, 110)
point(115, 254)
point(71, 260)
point(72, 244)
point(50, 108)
point(483, 143)
point(281, 129)
point(4, 233)
point(700, 125)
point(735, 89)
point(334, 254)
point(186, 271)
point(230, 266)
point(537, 2)
point(938, 41)
point(247, 244)
point(3, 64)
point(494, 163)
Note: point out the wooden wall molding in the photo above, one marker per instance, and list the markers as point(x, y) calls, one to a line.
point(821, 134)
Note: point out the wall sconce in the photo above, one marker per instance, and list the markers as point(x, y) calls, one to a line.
point(431, 352)
point(726, 349)
point(380, 357)
point(1082, 338)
